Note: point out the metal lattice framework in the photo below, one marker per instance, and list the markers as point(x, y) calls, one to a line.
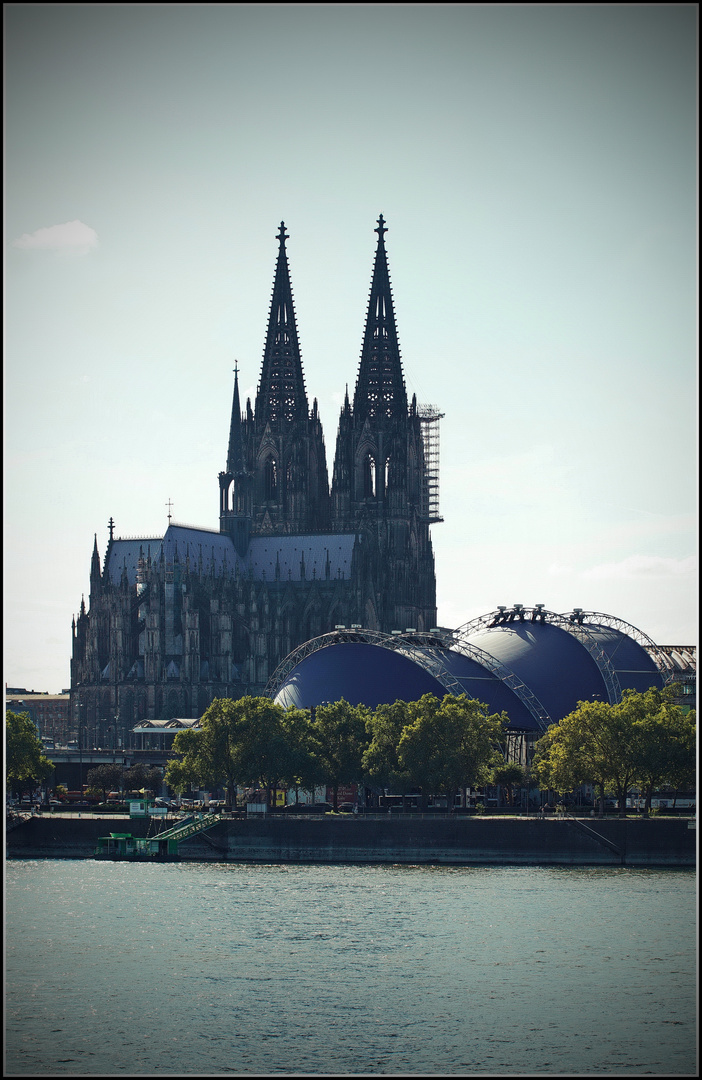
point(503, 616)
point(424, 650)
point(518, 687)
point(574, 623)
point(406, 644)
point(598, 618)
point(429, 419)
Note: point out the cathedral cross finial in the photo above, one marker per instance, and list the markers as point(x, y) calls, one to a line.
point(381, 230)
point(282, 235)
point(169, 504)
point(111, 527)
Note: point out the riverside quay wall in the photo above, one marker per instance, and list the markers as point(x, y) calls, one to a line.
point(449, 840)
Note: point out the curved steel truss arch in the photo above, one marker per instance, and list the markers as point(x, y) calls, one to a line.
point(503, 616)
point(647, 643)
point(424, 650)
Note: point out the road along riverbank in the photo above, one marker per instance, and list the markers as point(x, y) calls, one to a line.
point(461, 841)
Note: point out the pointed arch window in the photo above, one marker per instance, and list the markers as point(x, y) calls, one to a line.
point(369, 477)
point(270, 479)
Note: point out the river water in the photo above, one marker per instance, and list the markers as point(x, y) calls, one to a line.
point(229, 969)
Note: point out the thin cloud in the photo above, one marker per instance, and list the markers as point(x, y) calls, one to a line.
point(643, 566)
point(72, 238)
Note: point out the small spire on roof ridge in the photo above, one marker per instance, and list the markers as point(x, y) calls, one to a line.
point(281, 234)
point(381, 230)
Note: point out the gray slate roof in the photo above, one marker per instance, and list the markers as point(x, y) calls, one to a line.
point(284, 558)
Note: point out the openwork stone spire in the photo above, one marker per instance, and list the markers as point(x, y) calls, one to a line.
point(235, 455)
point(380, 387)
point(281, 395)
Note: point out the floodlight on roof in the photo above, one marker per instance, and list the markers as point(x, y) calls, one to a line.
point(356, 626)
point(395, 631)
point(410, 629)
point(340, 626)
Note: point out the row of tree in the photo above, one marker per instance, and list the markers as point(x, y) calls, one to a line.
point(112, 777)
point(26, 764)
point(644, 742)
point(436, 746)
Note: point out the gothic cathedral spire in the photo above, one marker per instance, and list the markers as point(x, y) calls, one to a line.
point(276, 479)
point(235, 459)
point(379, 475)
point(380, 388)
point(281, 392)
point(234, 508)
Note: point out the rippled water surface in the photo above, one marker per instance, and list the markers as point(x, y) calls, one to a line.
point(192, 968)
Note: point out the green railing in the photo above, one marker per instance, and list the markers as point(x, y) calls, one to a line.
point(190, 827)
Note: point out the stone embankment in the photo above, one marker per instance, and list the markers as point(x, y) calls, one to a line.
point(388, 839)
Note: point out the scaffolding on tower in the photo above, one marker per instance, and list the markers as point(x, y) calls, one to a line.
point(429, 417)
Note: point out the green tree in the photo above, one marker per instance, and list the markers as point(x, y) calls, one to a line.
point(450, 744)
point(339, 738)
point(565, 757)
point(104, 778)
point(611, 746)
point(682, 766)
point(302, 768)
point(380, 761)
point(238, 742)
point(265, 754)
point(665, 741)
point(507, 775)
point(141, 777)
point(25, 761)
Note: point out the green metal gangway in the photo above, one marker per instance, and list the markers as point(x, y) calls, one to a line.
point(190, 827)
point(161, 846)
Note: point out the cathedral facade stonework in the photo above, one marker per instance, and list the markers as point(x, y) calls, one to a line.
point(175, 621)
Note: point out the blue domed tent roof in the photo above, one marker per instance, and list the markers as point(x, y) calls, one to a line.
point(535, 665)
point(361, 673)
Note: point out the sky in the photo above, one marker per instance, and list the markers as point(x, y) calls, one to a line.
point(537, 169)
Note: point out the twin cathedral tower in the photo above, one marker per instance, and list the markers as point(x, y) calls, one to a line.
point(176, 621)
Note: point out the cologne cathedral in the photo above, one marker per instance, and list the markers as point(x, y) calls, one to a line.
point(177, 620)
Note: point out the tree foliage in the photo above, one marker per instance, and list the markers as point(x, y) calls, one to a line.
point(642, 740)
point(140, 777)
point(242, 742)
point(507, 774)
point(380, 761)
point(25, 761)
point(339, 738)
point(450, 744)
point(303, 767)
point(104, 778)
